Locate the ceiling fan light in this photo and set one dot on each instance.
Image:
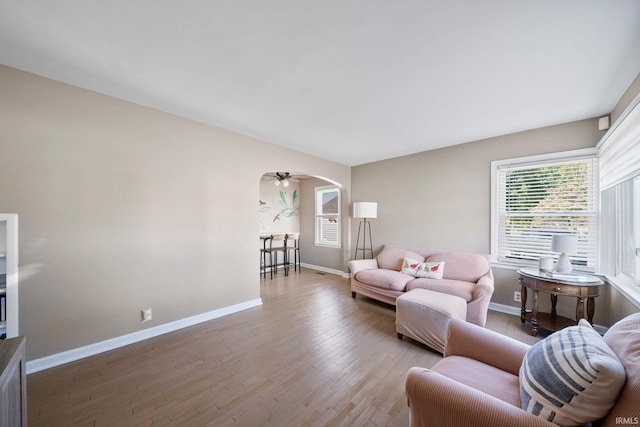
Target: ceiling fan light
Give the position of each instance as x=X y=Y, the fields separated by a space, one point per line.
x=285 y=183
x=277 y=182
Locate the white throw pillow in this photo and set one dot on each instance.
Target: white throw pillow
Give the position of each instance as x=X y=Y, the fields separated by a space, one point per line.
x=429 y=270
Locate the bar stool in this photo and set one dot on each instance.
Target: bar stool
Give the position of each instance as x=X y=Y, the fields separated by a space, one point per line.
x=273 y=251
x=264 y=250
x=295 y=247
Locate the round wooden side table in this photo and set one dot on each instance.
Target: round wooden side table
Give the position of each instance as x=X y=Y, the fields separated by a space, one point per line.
x=580 y=286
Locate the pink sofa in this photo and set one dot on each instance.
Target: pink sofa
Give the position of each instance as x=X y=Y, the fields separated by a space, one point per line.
x=466 y=275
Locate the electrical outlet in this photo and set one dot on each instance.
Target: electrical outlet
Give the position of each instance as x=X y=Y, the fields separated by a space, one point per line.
x=146 y=314
x=516 y=296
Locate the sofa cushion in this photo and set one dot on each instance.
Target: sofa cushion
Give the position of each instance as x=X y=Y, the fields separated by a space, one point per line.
x=481 y=376
x=624 y=339
x=415 y=268
x=458 y=288
x=465 y=266
x=386 y=279
x=572 y=377
x=391 y=258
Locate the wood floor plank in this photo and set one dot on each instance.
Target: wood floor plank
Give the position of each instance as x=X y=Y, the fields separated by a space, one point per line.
x=309 y=356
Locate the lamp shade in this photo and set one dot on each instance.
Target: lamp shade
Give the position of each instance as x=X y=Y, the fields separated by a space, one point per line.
x=365 y=210
x=564 y=243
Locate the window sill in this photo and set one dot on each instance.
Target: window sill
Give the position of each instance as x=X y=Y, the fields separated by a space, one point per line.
x=326 y=245
x=516 y=267
x=629 y=291
x=504 y=266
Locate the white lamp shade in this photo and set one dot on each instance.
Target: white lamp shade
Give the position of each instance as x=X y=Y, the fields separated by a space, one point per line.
x=564 y=243
x=365 y=210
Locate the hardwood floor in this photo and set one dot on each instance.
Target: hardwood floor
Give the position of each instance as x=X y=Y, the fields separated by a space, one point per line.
x=309 y=356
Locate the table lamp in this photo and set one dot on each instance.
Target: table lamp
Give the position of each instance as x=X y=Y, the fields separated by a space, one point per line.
x=564 y=244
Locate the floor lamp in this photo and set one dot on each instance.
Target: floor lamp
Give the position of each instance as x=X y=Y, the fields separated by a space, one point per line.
x=364 y=210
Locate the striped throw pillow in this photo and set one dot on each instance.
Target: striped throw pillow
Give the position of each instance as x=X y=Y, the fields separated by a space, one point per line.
x=571 y=377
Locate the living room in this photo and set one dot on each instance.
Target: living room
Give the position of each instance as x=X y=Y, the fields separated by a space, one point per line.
x=124 y=205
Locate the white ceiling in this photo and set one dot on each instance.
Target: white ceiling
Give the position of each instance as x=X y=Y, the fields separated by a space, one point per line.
x=352 y=81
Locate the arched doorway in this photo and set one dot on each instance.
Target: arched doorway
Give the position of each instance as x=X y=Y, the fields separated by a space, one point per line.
x=292 y=208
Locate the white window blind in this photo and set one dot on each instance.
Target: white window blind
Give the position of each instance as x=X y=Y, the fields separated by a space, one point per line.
x=620 y=218
x=536 y=200
x=620 y=150
x=328 y=216
x=328 y=230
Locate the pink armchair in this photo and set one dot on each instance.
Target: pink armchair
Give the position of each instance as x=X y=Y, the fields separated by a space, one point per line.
x=477 y=381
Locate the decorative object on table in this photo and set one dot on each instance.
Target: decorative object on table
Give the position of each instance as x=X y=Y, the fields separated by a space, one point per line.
x=564 y=244
x=546 y=264
x=366 y=211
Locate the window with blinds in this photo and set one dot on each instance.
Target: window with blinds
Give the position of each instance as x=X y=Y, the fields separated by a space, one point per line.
x=619 y=162
x=534 y=200
x=328 y=216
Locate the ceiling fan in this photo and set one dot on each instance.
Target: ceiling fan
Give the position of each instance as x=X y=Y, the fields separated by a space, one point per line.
x=283 y=177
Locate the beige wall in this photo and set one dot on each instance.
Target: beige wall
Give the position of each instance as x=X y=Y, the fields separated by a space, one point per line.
x=123 y=207
x=625 y=100
x=441 y=198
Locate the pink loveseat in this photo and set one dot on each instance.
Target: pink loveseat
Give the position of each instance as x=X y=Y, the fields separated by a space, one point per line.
x=466 y=275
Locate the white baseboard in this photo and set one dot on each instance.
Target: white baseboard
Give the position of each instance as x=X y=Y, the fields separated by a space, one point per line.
x=503 y=308
x=326 y=270
x=113 y=343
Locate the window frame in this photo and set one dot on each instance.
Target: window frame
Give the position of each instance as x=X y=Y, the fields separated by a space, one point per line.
x=318 y=216
x=619 y=151
x=539 y=161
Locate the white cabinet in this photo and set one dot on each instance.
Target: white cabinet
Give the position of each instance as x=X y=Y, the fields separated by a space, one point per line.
x=8 y=275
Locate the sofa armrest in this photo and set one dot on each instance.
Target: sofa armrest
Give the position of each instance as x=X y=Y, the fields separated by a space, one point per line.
x=356 y=265
x=436 y=400
x=481 y=297
x=475 y=342
x=484 y=287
